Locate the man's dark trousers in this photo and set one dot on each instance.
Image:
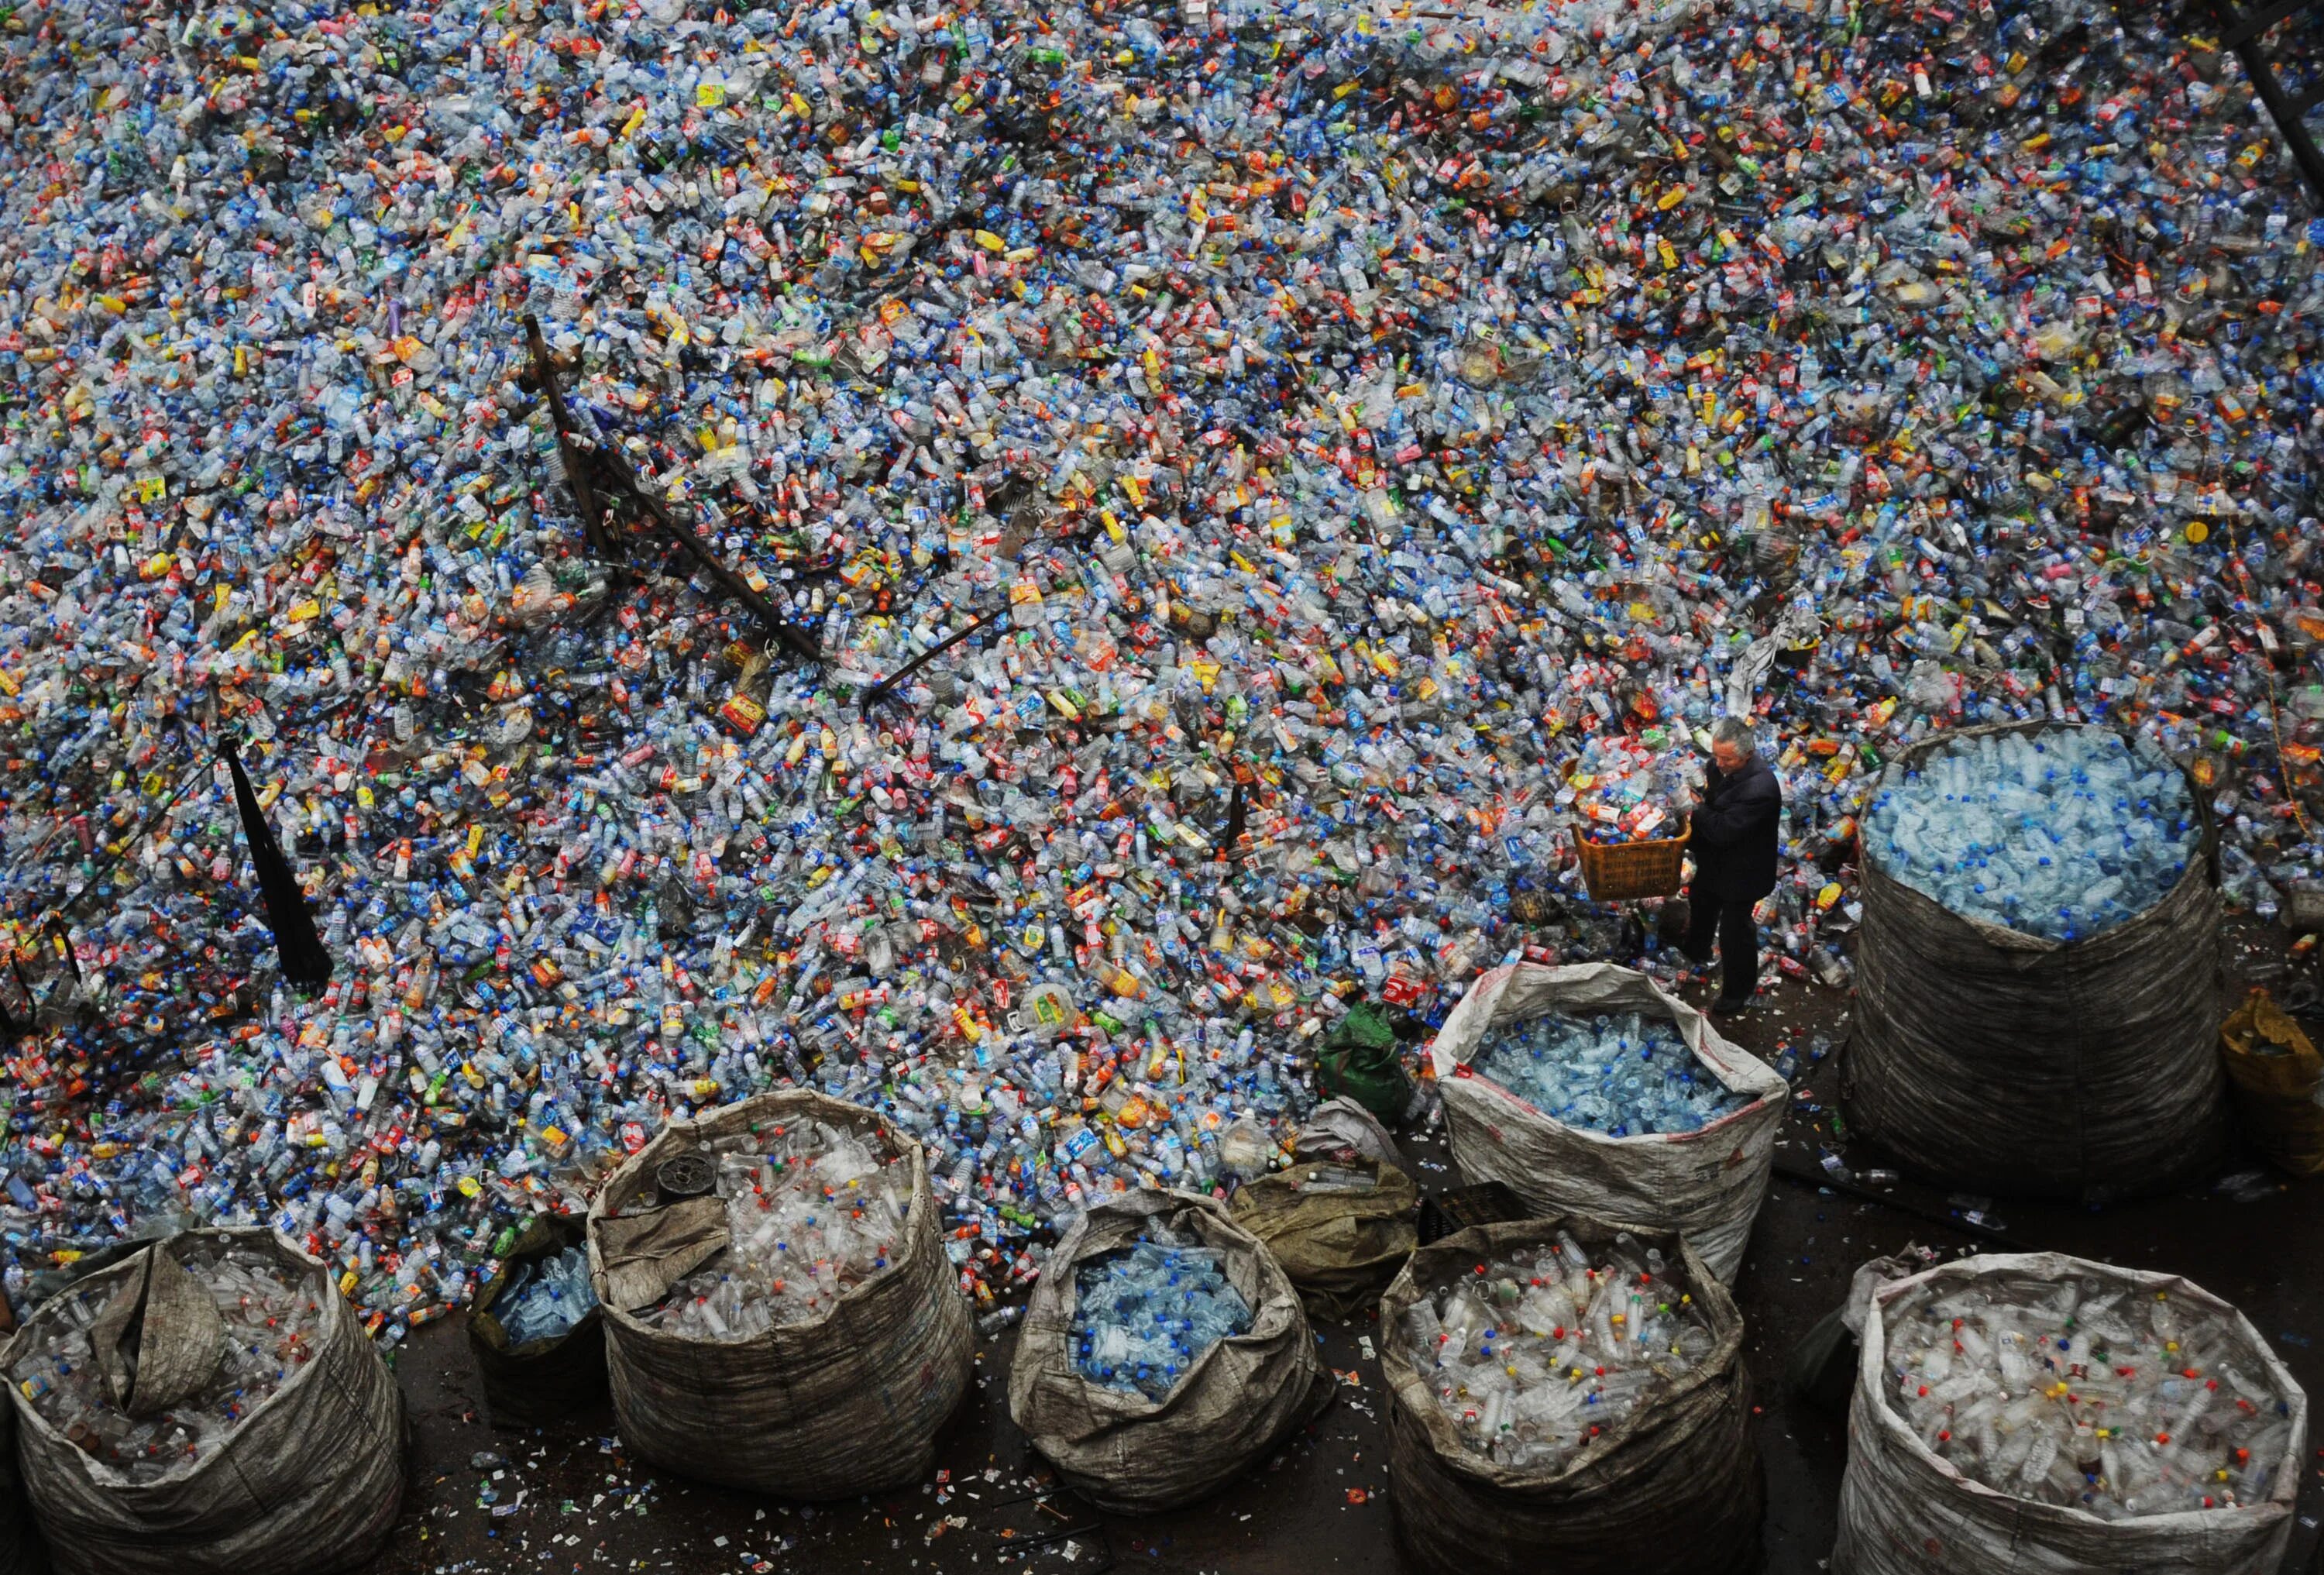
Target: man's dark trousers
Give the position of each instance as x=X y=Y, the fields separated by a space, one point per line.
x=1738 y=943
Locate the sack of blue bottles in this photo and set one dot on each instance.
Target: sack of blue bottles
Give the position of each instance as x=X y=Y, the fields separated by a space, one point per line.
x=539 y=1341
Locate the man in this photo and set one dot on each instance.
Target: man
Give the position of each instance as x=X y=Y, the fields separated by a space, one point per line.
x=1738 y=810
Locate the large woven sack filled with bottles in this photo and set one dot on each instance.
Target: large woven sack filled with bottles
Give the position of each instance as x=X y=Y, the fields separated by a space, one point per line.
x=1567 y=1394
x=1163 y=1354
x=1340 y=1228
x=2278 y=1079
x=779 y=1314
x=209 y=1404
x=1535 y=1066
x=535 y=1331
x=2026 y=1041
x=2047 y=1415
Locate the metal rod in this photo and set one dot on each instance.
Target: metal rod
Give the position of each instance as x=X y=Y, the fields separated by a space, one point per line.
x=577 y=459
x=2280 y=107
x=686 y=536
x=585 y=466
x=1799 y=1175
x=887 y=685
x=2250 y=27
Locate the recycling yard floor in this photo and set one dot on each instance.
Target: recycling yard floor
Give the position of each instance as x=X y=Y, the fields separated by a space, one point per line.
x=569 y=1499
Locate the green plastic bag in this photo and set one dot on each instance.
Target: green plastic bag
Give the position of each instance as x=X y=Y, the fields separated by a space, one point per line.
x=1359 y=1060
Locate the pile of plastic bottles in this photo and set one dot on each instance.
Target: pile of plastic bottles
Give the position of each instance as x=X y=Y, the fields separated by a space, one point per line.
x=1534 y=1355
x=2063 y=835
x=1623 y=1074
x=547 y=1297
x=1341 y=417
x=271 y=1320
x=1143 y=1316
x=2092 y=1396
x=812 y=1211
x=1628 y=790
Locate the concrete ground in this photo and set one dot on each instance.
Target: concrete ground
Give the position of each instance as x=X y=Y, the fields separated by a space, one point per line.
x=568 y=1499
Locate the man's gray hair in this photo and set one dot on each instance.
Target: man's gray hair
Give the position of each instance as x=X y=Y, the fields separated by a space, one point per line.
x=1734 y=730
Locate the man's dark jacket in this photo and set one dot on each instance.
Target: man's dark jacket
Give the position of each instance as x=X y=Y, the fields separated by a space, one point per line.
x=1735 y=834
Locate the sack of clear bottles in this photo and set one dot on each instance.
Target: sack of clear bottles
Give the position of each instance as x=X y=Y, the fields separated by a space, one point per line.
x=535 y=1331
x=2050 y=1415
x=1588 y=1088
x=779 y=1314
x=206 y=1405
x=1164 y=1355
x=2037 y=965
x=1572 y=1385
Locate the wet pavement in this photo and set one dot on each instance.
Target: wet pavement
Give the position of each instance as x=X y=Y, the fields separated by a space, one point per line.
x=485 y=1498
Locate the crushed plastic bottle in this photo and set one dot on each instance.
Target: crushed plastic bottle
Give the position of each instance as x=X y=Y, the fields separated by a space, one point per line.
x=1534 y=1355
x=2095 y=1397
x=1622 y=1073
